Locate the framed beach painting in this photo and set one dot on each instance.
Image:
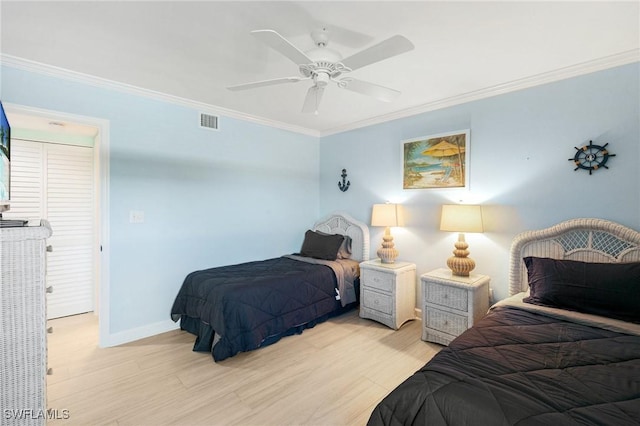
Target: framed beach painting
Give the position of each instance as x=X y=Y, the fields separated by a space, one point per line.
x=436 y=161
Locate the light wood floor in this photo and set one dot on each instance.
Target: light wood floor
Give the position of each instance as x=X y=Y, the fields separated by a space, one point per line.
x=333 y=374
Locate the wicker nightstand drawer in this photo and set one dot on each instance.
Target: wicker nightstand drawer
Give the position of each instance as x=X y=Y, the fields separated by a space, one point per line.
x=451 y=304
x=387 y=292
x=446 y=322
x=451 y=297
x=378 y=302
x=381 y=281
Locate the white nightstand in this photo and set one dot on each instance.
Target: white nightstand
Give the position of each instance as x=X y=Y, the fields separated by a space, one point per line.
x=451 y=304
x=388 y=292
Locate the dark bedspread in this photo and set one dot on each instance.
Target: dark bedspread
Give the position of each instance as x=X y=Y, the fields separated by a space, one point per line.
x=521 y=368
x=249 y=304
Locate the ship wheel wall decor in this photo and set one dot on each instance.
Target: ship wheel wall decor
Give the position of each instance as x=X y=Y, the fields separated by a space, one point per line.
x=591 y=157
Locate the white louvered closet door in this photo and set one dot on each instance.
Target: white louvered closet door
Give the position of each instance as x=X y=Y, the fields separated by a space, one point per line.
x=55 y=182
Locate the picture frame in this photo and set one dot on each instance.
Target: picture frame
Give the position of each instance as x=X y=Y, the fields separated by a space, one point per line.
x=439 y=161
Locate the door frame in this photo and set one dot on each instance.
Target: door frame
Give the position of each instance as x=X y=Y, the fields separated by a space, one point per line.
x=101 y=204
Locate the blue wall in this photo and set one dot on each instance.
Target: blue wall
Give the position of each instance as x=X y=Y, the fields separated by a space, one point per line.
x=519 y=168
x=249 y=191
x=210 y=198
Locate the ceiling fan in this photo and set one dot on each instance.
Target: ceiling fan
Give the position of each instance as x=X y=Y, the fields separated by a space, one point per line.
x=323 y=65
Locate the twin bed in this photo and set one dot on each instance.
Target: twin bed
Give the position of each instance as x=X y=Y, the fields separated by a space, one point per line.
x=243 y=307
x=564 y=349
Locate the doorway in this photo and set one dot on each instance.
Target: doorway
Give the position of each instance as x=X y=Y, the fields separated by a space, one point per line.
x=59 y=170
x=52 y=178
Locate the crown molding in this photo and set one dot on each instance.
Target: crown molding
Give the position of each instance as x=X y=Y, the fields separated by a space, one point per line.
x=599 y=64
x=53 y=71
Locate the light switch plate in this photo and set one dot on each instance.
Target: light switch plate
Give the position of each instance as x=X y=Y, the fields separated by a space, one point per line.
x=136 y=216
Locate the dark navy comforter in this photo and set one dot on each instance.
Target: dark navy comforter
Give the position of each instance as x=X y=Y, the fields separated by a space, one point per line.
x=242 y=307
x=516 y=367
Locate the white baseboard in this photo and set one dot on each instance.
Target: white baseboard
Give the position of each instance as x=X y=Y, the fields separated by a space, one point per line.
x=127 y=336
x=418 y=313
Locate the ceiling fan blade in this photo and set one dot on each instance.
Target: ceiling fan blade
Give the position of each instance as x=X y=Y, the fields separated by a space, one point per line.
x=282 y=45
x=263 y=83
x=382 y=93
x=385 y=49
x=312 y=100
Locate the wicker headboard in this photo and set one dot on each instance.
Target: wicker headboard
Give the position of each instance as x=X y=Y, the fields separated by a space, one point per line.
x=585 y=240
x=342 y=223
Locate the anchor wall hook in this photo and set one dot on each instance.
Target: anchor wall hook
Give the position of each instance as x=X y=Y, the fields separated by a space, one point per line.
x=344 y=185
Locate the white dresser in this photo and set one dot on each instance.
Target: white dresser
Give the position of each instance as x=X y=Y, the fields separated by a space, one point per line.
x=388 y=292
x=451 y=304
x=23 y=334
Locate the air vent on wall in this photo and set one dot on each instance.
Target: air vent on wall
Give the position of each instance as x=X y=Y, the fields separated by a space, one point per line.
x=208 y=121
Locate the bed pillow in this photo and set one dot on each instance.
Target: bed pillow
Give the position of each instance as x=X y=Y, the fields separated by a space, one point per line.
x=606 y=289
x=344 y=252
x=321 y=246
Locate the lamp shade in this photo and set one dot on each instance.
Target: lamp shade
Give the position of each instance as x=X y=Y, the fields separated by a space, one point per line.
x=387 y=215
x=461 y=218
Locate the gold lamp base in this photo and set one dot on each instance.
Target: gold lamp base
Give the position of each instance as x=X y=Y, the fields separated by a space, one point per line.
x=387 y=253
x=460 y=264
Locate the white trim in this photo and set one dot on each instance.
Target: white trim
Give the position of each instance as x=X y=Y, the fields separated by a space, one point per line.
x=138 y=333
x=104 y=301
x=599 y=64
x=102 y=146
x=53 y=71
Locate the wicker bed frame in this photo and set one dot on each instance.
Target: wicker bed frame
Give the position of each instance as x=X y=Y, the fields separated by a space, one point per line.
x=585 y=240
x=291 y=308
x=343 y=224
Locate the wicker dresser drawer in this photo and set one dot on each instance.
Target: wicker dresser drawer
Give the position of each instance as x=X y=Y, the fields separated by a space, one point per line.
x=379 y=280
x=446 y=322
x=451 y=297
x=23 y=325
x=379 y=302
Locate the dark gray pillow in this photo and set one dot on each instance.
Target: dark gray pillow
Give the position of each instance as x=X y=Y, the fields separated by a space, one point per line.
x=606 y=289
x=344 y=252
x=321 y=246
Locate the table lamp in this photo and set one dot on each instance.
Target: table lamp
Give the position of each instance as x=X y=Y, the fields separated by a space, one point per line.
x=387 y=215
x=461 y=218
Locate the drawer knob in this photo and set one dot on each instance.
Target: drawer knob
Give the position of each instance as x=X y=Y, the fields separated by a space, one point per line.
x=50 y=330
x=376 y=302
x=49 y=371
x=50 y=289
x=445 y=296
x=376 y=279
x=446 y=323
x=49 y=248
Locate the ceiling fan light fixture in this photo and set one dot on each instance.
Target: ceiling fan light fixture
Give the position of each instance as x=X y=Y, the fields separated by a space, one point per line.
x=322 y=79
x=324 y=54
x=323 y=65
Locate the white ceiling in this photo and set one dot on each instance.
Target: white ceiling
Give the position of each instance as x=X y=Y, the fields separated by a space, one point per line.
x=194 y=50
